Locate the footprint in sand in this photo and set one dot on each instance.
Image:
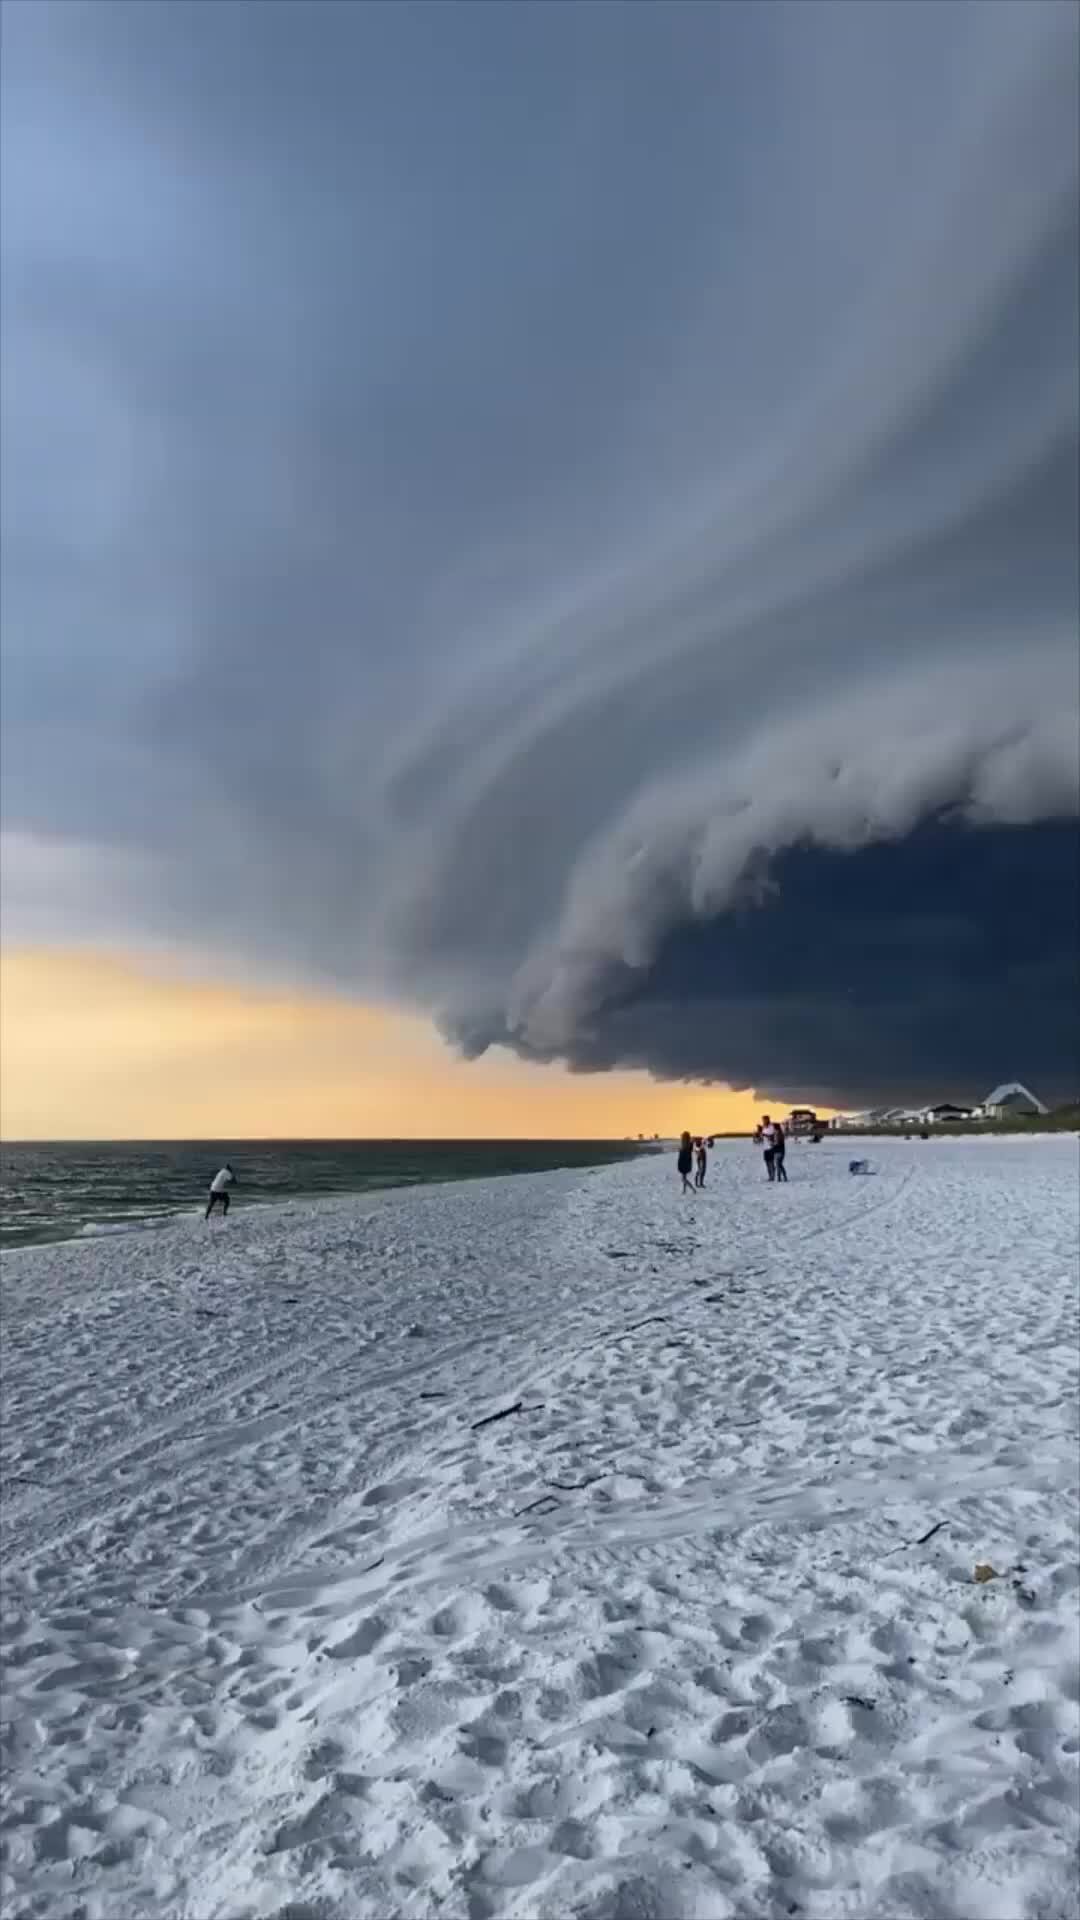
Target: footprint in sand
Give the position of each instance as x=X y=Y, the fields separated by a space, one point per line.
x=363 y=1639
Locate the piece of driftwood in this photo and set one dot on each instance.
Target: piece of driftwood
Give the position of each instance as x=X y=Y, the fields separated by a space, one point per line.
x=504 y=1413
x=929 y=1534
x=549 y=1505
x=922 y=1538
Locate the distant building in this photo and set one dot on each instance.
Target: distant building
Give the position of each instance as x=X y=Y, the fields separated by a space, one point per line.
x=803 y=1120
x=1012 y=1101
x=878 y=1119
x=948 y=1114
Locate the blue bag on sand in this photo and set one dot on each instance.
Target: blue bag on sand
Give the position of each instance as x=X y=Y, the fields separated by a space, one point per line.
x=858 y=1166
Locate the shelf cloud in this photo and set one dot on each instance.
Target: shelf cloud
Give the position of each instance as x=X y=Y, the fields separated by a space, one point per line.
x=561 y=517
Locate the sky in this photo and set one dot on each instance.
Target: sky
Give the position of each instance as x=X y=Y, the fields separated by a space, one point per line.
x=98 y=1046
x=538 y=560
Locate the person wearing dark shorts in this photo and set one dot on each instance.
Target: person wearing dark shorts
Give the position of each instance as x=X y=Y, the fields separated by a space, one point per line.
x=219 y=1190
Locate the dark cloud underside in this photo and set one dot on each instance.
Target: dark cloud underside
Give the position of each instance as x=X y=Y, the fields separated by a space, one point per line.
x=860 y=976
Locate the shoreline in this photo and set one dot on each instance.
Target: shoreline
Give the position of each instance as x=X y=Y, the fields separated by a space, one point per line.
x=153 y=1222
x=153 y=1229
x=310 y=1206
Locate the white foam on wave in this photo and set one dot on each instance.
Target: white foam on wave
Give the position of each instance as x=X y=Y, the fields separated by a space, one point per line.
x=139 y=1223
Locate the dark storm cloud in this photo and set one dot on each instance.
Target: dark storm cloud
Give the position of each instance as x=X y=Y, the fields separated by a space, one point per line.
x=520 y=508
x=851 y=975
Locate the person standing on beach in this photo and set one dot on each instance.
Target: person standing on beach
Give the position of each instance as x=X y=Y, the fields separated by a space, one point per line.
x=779 y=1149
x=768 y=1141
x=702 y=1163
x=219 y=1190
x=686 y=1162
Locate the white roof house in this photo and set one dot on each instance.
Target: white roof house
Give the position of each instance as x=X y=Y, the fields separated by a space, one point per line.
x=1012 y=1097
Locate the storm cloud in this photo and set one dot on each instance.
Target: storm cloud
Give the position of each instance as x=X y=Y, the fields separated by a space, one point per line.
x=565 y=517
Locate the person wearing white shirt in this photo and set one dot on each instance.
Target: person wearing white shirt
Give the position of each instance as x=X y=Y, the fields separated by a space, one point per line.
x=768 y=1141
x=219 y=1190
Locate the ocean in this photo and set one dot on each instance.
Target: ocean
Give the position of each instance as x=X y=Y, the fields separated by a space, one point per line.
x=64 y=1192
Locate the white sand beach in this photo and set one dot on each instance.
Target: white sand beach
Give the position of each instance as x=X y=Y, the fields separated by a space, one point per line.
x=692 y=1633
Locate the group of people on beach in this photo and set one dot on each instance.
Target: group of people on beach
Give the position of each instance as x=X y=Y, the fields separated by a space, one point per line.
x=693 y=1164
x=771 y=1138
x=768 y=1135
x=693 y=1159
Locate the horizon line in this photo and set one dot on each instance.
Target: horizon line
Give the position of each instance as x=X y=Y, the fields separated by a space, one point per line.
x=334 y=1139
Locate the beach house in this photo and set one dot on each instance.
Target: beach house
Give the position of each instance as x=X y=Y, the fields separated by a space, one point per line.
x=1012 y=1101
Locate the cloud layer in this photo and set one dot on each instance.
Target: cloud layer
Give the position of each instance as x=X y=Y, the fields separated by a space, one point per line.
x=517 y=509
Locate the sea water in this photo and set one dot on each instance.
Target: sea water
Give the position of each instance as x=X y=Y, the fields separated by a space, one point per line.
x=60 y=1192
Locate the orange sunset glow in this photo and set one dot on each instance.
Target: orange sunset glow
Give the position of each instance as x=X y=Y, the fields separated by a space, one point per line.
x=105 y=1047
